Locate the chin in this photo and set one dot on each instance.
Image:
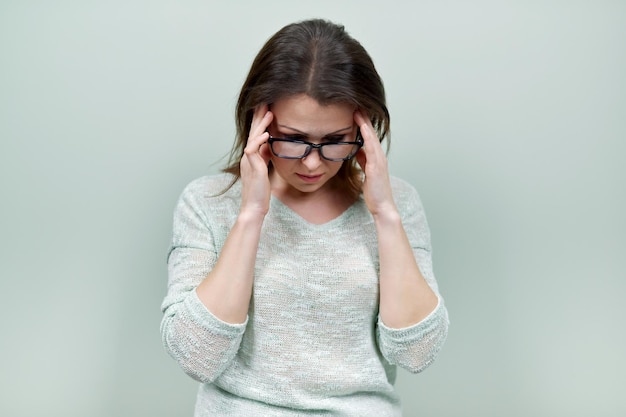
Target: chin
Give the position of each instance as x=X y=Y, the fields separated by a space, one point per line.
x=308 y=187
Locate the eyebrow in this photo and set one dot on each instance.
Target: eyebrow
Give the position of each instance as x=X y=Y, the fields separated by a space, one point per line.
x=306 y=134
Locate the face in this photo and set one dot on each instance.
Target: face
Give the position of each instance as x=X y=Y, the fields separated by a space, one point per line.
x=301 y=117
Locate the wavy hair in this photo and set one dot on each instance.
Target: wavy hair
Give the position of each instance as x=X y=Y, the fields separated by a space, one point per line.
x=320 y=59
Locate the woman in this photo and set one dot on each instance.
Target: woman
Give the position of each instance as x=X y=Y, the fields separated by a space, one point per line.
x=301 y=277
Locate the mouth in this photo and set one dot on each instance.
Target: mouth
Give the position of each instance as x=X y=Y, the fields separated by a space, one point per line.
x=309 y=178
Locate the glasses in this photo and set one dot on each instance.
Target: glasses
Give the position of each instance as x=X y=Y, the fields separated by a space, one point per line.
x=331 y=151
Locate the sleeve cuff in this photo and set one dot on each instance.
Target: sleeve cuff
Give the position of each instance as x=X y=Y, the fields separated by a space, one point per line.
x=201 y=314
x=414 y=331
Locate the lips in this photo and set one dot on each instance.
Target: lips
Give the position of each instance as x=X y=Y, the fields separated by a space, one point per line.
x=309 y=178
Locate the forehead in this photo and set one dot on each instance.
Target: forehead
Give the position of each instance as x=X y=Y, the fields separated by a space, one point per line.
x=305 y=114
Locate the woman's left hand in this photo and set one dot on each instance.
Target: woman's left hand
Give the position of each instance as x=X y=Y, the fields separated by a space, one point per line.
x=373 y=161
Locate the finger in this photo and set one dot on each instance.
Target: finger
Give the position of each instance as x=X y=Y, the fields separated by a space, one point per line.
x=265 y=153
x=365 y=125
x=254 y=149
x=371 y=144
x=257 y=115
x=261 y=119
x=258 y=133
x=359 y=118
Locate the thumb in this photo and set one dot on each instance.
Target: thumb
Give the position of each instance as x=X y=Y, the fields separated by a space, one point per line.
x=265 y=152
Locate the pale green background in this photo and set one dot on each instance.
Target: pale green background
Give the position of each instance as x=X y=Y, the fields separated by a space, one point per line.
x=509 y=117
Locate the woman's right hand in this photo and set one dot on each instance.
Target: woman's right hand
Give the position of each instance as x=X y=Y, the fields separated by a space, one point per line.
x=227 y=289
x=255 y=195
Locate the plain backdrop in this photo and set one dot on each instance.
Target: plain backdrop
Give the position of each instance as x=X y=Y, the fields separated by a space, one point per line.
x=508 y=117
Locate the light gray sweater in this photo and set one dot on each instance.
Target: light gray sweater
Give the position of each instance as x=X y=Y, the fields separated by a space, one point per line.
x=313 y=344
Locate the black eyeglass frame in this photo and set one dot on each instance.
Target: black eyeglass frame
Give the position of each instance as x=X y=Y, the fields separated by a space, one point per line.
x=358 y=141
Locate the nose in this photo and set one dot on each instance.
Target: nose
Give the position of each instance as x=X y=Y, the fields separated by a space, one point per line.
x=313 y=160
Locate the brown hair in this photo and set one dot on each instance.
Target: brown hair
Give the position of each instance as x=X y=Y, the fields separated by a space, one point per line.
x=320 y=59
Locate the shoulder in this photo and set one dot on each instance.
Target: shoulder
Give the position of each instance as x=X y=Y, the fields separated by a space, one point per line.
x=212 y=186
x=210 y=193
x=400 y=185
x=412 y=212
x=205 y=212
x=403 y=191
x=406 y=197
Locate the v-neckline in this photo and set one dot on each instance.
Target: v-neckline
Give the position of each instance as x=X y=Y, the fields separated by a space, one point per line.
x=328 y=224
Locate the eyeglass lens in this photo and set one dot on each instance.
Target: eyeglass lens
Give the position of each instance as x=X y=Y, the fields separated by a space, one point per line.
x=290 y=149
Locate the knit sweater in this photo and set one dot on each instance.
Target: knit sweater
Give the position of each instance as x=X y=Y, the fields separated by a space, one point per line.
x=313 y=343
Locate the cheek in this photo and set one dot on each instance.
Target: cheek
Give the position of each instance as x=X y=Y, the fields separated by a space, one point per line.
x=282 y=164
x=334 y=167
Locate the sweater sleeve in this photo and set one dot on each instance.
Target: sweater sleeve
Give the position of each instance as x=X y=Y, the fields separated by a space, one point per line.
x=202 y=344
x=415 y=347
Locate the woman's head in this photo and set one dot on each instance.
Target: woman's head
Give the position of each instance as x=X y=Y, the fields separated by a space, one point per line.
x=319 y=59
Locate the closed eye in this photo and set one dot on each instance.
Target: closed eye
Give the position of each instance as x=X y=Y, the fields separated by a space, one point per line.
x=304 y=138
x=293 y=137
x=339 y=138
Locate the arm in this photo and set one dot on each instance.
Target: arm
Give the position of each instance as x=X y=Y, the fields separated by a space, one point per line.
x=201 y=343
x=405 y=296
x=415 y=345
x=227 y=289
x=408 y=302
x=209 y=295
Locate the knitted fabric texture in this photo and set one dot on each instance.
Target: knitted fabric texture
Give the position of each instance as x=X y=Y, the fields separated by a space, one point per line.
x=313 y=343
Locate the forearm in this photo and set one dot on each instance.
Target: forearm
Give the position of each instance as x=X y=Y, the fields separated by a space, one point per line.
x=405 y=296
x=202 y=344
x=227 y=289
